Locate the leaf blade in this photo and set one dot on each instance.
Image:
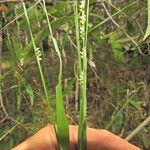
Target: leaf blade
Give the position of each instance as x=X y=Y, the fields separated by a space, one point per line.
x=148 y=24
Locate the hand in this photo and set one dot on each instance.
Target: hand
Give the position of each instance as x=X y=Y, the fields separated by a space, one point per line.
x=45 y=139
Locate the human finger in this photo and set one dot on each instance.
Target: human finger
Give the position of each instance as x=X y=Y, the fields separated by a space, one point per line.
x=44 y=139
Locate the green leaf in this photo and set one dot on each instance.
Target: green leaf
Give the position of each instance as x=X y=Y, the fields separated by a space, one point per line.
x=30 y=93
x=116 y=126
x=29 y=90
x=69 y=88
x=12 y=53
x=16 y=44
x=61 y=119
x=116 y=47
x=14 y=48
x=136 y=104
x=148 y=24
x=58 y=9
x=145 y=139
x=62 y=122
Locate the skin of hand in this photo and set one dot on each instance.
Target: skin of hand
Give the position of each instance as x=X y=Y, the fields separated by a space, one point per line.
x=45 y=139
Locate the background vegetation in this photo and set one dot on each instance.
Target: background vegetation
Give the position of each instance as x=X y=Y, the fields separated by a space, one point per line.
x=118 y=84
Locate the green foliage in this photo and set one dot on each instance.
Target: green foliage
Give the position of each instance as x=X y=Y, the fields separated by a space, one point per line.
x=38 y=56
x=45 y=44
x=117 y=124
x=69 y=88
x=39 y=37
x=15 y=50
x=145 y=138
x=116 y=47
x=136 y=104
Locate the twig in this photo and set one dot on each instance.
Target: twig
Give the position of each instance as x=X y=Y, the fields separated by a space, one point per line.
x=1 y=138
x=115 y=23
x=123 y=107
x=4 y=28
x=113 y=15
x=136 y=130
x=3 y=120
x=1 y=99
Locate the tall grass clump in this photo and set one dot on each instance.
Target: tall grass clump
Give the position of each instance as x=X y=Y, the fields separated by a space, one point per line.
x=81 y=15
x=62 y=125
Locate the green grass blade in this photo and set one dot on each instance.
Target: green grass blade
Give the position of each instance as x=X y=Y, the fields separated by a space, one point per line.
x=38 y=56
x=9 y=131
x=30 y=93
x=62 y=122
x=148 y=24
x=61 y=119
